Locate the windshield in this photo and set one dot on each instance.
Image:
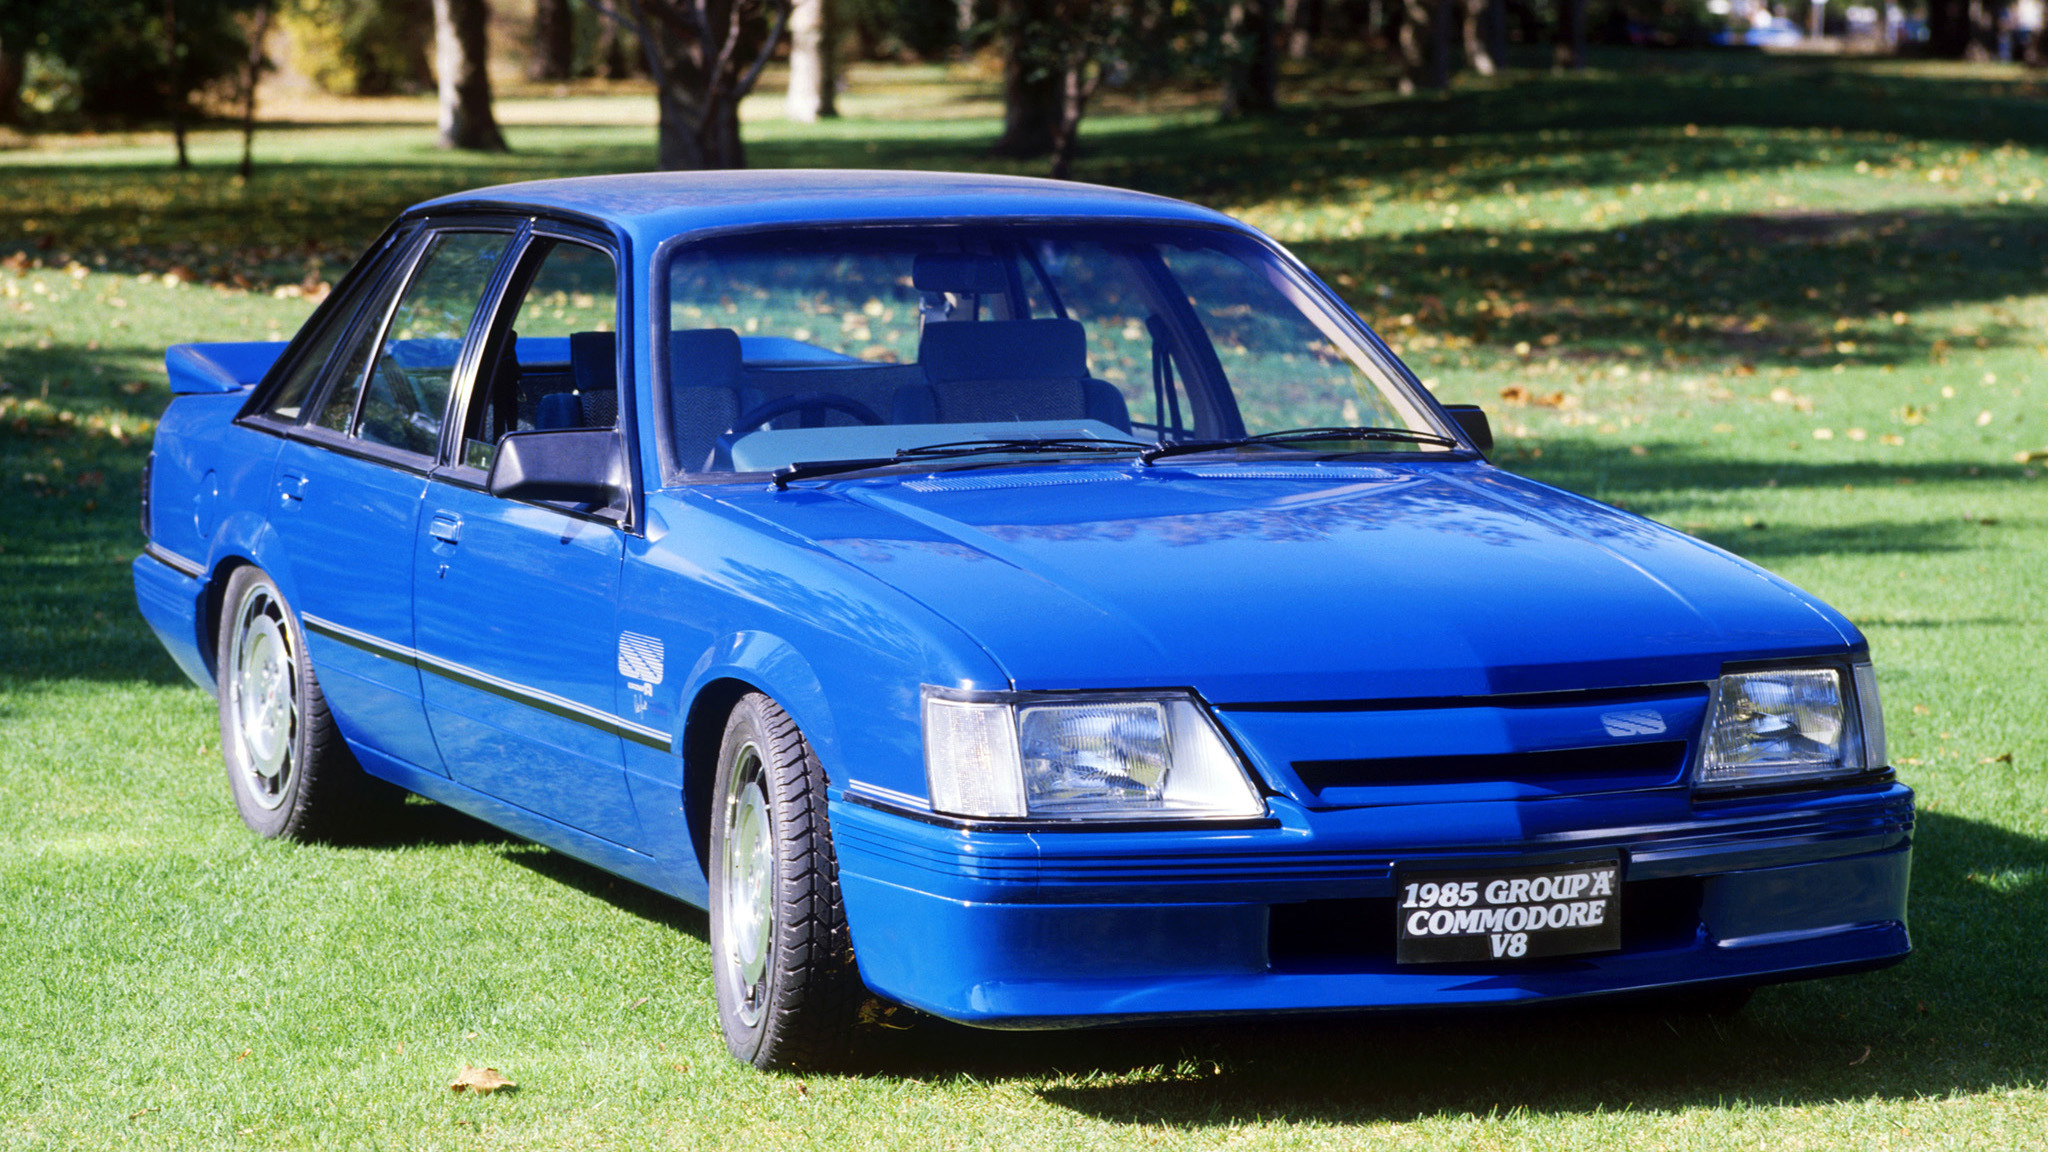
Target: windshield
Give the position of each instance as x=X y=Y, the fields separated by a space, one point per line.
x=860 y=344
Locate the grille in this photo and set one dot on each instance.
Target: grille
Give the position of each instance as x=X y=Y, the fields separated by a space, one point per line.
x=1646 y=765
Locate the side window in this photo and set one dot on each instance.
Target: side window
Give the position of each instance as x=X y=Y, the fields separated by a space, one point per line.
x=290 y=398
x=557 y=365
x=405 y=391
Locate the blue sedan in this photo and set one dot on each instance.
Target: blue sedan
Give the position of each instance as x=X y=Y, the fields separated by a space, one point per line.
x=1033 y=604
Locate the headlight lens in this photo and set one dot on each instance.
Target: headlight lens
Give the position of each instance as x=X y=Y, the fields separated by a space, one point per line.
x=1791 y=724
x=1095 y=757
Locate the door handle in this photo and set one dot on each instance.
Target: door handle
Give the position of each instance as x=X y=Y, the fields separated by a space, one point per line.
x=445 y=527
x=291 y=488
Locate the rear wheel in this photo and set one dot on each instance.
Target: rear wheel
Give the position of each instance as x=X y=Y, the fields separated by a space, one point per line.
x=290 y=773
x=782 y=962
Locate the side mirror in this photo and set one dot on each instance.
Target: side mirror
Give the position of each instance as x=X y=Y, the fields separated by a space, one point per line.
x=568 y=466
x=1471 y=420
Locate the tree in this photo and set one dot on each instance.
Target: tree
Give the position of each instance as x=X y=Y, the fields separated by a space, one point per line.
x=257 y=34
x=461 y=52
x=705 y=57
x=361 y=47
x=1057 y=54
x=813 y=60
x=554 y=41
x=1486 y=28
x=1425 y=42
x=1251 y=73
x=12 y=67
x=1032 y=81
x=1571 y=34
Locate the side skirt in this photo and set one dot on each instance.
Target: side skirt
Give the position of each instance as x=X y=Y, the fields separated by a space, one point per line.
x=678 y=879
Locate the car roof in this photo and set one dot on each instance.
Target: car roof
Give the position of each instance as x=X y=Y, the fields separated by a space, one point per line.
x=652 y=206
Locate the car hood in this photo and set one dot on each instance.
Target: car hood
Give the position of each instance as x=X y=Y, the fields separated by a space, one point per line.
x=1274 y=583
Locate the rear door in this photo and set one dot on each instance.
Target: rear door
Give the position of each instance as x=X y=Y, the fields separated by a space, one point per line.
x=350 y=478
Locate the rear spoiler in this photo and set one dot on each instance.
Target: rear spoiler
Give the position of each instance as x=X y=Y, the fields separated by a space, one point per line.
x=218 y=368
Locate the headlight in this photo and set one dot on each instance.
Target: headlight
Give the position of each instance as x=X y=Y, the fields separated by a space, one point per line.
x=1109 y=756
x=1791 y=725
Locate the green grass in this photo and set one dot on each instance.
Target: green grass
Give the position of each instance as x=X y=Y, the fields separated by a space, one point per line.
x=1793 y=307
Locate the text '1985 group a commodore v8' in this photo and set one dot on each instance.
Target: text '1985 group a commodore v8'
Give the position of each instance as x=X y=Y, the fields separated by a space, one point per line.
x=1034 y=604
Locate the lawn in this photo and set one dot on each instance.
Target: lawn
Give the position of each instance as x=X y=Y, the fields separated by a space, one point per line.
x=1795 y=307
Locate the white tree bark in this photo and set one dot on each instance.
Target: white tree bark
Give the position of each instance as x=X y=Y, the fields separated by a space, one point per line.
x=813 y=61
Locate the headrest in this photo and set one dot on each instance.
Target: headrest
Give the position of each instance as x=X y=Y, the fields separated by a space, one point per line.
x=1003 y=350
x=704 y=358
x=957 y=272
x=594 y=360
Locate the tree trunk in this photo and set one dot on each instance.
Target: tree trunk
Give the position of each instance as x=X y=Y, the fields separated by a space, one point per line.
x=1948 y=28
x=608 y=55
x=1251 y=85
x=554 y=41
x=1481 y=18
x=11 y=67
x=257 y=33
x=460 y=56
x=1816 y=18
x=174 y=96
x=1425 y=43
x=1571 y=34
x=700 y=76
x=1031 y=87
x=963 y=25
x=1075 y=88
x=693 y=138
x=1983 y=31
x=813 y=61
x=1303 y=20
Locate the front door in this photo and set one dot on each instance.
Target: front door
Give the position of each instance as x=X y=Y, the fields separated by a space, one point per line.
x=514 y=602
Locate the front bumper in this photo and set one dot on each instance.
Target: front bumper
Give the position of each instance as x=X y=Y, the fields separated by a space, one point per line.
x=1037 y=929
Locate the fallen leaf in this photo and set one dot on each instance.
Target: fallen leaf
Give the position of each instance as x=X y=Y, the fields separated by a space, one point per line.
x=2001 y=758
x=480 y=1081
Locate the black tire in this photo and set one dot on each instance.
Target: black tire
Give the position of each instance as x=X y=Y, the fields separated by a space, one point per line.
x=782 y=962
x=291 y=776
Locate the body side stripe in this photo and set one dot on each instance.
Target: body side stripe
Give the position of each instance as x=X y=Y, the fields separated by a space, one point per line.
x=462 y=674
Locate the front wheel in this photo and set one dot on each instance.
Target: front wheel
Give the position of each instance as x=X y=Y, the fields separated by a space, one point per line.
x=782 y=962
x=290 y=773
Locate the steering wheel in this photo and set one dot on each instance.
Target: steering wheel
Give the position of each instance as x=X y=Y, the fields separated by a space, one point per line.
x=720 y=459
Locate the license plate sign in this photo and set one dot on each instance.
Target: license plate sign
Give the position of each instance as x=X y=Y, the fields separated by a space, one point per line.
x=1486 y=915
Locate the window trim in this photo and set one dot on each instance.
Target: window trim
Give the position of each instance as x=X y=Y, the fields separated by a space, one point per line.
x=673 y=475
x=450 y=467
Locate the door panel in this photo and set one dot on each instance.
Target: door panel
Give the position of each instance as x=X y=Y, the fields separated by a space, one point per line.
x=346 y=524
x=519 y=655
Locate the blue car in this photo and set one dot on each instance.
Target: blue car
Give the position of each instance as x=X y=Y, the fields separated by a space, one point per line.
x=1033 y=604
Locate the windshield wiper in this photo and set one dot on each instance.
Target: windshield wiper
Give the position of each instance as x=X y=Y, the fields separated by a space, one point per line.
x=1298 y=436
x=1026 y=446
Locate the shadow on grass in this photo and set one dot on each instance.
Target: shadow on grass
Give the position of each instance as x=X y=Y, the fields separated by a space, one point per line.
x=625 y=895
x=1965 y=1013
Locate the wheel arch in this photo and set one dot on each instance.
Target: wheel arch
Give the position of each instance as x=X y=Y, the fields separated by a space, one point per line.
x=703 y=733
